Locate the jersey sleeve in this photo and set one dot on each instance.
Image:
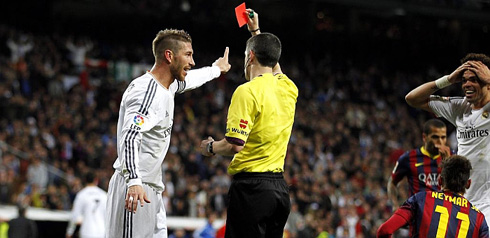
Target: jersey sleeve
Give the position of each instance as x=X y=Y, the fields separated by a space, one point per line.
x=195 y=78
x=76 y=213
x=401 y=169
x=483 y=233
x=447 y=107
x=241 y=115
x=400 y=218
x=140 y=116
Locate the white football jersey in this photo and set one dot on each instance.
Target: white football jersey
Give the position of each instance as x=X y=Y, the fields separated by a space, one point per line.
x=90 y=206
x=145 y=124
x=473 y=135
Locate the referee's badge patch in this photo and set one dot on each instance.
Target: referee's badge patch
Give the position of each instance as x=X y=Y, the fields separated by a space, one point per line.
x=138 y=120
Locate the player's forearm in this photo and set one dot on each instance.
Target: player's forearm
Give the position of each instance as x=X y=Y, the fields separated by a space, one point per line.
x=130 y=156
x=223 y=147
x=197 y=77
x=419 y=97
x=71 y=228
x=390 y=226
x=392 y=193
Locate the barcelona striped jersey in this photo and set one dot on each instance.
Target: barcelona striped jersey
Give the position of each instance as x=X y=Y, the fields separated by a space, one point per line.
x=439 y=214
x=421 y=169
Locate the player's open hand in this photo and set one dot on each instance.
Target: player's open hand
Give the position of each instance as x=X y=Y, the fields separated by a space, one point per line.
x=135 y=193
x=222 y=62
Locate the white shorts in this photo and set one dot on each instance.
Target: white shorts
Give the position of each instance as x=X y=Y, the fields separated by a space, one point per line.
x=148 y=221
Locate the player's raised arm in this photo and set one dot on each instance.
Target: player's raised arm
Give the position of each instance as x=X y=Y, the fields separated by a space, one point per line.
x=197 y=77
x=419 y=97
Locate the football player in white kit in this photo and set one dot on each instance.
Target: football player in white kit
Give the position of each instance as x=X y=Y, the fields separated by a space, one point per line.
x=470 y=116
x=90 y=205
x=134 y=205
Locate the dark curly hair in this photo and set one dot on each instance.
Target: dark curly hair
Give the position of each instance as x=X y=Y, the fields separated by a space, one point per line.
x=455 y=173
x=477 y=57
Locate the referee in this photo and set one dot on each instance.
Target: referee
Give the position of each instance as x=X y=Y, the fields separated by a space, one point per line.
x=259 y=123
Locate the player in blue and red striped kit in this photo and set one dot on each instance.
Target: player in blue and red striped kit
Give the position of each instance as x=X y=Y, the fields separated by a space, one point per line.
x=444 y=213
x=421 y=165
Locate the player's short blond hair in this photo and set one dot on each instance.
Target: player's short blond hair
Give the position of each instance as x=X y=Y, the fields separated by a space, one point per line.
x=169 y=39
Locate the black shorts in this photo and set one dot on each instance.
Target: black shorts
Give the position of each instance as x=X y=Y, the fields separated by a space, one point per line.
x=259 y=206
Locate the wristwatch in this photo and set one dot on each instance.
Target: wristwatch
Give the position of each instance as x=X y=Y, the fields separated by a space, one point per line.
x=210 y=148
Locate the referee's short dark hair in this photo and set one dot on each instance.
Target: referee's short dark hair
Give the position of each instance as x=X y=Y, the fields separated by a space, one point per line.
x=266 y=47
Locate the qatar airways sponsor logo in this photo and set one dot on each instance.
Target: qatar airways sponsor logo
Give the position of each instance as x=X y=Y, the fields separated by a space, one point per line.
x=470 y=133
x=430 y=179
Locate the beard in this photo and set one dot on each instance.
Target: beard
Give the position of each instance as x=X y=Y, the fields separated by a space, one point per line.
x=432 y=149
x=177 y=72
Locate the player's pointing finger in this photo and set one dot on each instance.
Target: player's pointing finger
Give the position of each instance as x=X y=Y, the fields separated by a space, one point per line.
x=225 y=56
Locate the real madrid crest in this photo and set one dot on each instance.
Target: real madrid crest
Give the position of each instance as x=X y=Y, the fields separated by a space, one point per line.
x=485 y=114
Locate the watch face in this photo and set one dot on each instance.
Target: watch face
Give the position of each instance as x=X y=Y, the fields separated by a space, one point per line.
x=210 y=147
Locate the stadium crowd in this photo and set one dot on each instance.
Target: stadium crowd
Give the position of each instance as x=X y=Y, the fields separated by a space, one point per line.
x=59 y=99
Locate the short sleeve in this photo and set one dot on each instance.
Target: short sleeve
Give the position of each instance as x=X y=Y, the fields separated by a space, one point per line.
x=447 y=107
x=241 y=114
x=401 y=168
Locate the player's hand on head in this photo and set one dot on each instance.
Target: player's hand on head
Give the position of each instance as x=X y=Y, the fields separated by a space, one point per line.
x=253 y=19
x=135 y=193
x=457 y=75
x=480 y=69
x=222 y=62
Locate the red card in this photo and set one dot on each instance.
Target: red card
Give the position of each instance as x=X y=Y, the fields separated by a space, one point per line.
x=241 y=15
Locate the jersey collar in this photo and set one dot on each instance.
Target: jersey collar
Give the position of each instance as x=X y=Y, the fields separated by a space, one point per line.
x=425 y=152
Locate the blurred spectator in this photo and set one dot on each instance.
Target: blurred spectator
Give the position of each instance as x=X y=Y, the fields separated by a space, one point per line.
x=294 y=219
x=78 y=52
x=37 y=173
x=5 y=187
x=19 y=45
x=207 y=231
x=178 y=233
